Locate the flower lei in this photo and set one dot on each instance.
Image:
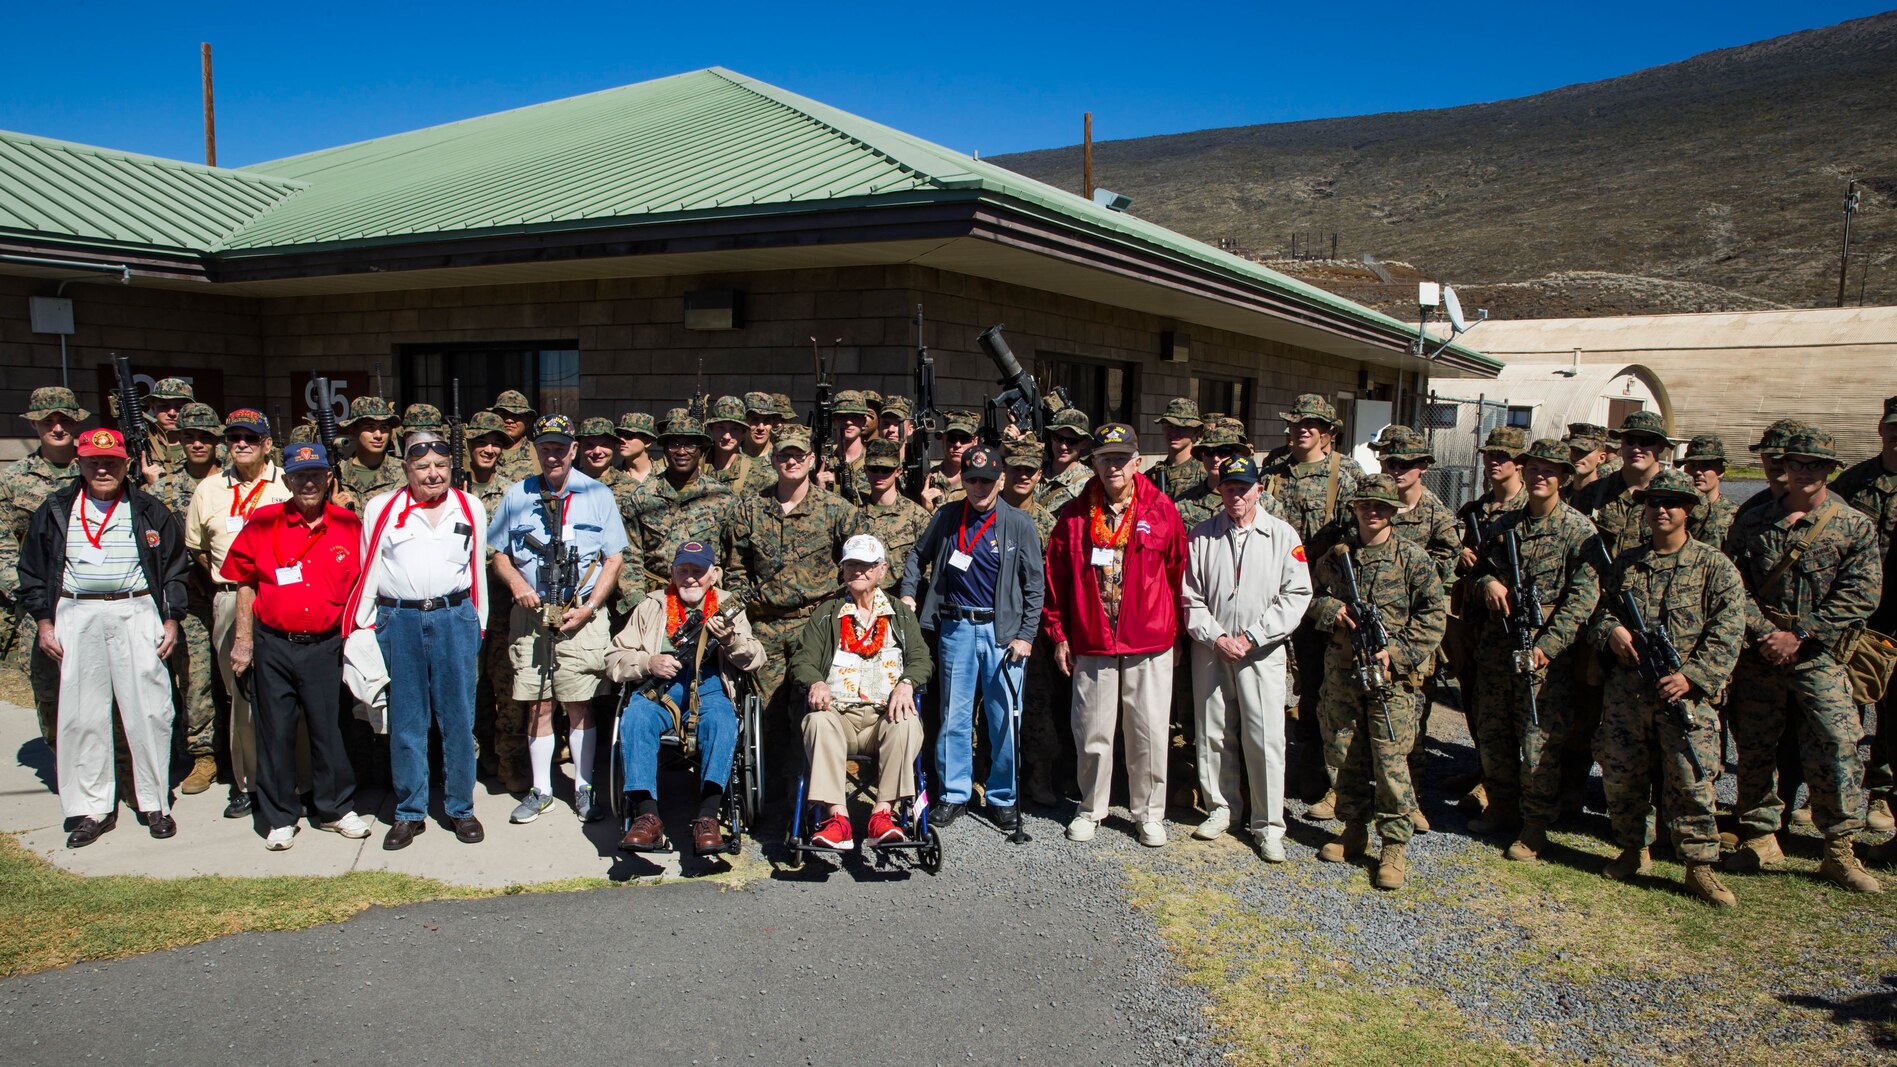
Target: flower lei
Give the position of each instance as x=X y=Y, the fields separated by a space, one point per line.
x=1096 y=507
x=854 y=641
x=675 y=610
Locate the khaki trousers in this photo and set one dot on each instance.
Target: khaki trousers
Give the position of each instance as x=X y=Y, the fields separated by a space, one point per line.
x=111 y=656
x=1241 y=721
x=832 y=736
x=243 y=731
x=1134 y=693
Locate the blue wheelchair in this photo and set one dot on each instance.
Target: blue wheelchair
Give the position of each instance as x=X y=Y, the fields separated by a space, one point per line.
x=921 y=841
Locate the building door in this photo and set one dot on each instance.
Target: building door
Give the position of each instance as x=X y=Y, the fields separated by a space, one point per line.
x=1618 y=409
x=547 y=372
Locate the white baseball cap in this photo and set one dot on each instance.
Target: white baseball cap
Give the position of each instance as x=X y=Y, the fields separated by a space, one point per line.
x=864 y=549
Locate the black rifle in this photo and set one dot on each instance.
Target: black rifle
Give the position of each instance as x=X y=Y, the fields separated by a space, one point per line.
x=131 y=420
x=1655 y=657
x=701 y=400
x=820 y=415
x=1367 y=638
x=684 y=642
x=1020 y=395
x=915 y=459
x=1472 y=531
x=328 y=432
x=458 y=475
x=1524 y=616
x=1160 y=480
x=559 y=565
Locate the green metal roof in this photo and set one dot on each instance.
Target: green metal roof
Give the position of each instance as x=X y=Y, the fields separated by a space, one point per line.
x=98 y=196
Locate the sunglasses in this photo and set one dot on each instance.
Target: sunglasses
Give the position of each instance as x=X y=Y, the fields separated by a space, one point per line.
x=422 y=448
x=243 y=439
x=957 y=439
x=1405 y=464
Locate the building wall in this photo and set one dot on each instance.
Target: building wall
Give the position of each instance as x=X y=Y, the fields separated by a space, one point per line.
x=635 y=352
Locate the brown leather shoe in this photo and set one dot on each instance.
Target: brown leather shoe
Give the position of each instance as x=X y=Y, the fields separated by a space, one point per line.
x=707 y=836
x=468 y=831
x=646 y=835
x=89 y=830
x=161 y=826
x=402 y=833
x=203 y=773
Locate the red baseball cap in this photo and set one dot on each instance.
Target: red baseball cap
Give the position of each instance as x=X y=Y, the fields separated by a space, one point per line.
x=102 y=442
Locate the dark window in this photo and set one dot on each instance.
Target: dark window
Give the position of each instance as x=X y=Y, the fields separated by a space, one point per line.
x=548 y=372
x=1105 y=391
x=1522 y=417
x=1228 y=396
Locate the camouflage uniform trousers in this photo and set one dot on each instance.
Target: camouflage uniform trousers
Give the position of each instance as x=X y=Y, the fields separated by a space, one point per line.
x=1043 y=690
x=1635 y=729
x=1371 y=763
x=193 y=668
x=1521 y=760
x=1584 y=722
x=1766 y=702
x=39 y=669
x=500 y=722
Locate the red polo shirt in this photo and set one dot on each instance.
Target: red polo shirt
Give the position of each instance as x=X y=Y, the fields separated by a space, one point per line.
x=328 y=553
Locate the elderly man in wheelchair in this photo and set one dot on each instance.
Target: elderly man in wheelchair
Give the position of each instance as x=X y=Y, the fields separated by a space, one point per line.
x=861 y=657
x=683 y=651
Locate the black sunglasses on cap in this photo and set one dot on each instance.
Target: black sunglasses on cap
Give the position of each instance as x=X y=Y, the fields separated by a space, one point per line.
x=422 y=448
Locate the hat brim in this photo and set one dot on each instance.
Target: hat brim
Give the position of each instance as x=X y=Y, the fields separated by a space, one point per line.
x=1292 y=417
x=1833 y=458
x=1115 y=450
x=554 y=439
x=1190 y=424
x=1525 y=458
x=1646 y=496
x=76 y=414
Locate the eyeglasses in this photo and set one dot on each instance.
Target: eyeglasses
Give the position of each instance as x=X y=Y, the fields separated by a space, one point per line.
x=422 y=448
x=1808 y=466
x=243 y=439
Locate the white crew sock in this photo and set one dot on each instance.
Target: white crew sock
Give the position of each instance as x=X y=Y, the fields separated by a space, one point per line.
x=580 y=741
x=540 y=755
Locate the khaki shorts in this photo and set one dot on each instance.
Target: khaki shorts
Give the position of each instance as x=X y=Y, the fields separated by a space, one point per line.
x=578 y=671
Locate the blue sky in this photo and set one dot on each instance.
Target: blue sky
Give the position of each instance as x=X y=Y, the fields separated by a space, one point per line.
x=975 y=76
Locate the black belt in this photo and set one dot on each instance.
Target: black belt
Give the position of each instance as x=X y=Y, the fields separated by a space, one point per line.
x=105 y=596
x=956 y=611
x=224 y=587
x=427 y=603
x=299 y=639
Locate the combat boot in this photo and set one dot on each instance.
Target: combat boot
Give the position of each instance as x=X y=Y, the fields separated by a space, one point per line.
x=1884 y=852
x=1879 y=818
x=203 y=773
x=1754 y=854
x=1799 y=816
x=1392 y=864
x=1630 y=862
x=1352 y=843
x=1326 y=807
x=1419 y=822
x=1704 y=884
x=1841 y=866
x=1529 y=844
x=1476 y=800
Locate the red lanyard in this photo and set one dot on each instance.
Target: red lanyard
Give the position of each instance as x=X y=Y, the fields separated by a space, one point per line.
x=414 y=504
x=241 y=505
x=961 y=538
x=317 y=529
x=86 y=527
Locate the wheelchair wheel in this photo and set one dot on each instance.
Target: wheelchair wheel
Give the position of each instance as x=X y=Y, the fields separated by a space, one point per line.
x=930 y=854
x=750 y=763
x=615 y=767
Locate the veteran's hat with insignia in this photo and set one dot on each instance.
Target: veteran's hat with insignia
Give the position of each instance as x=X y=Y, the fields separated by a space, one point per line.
x=1115 y=439
x=102 y=442
x=982 y=461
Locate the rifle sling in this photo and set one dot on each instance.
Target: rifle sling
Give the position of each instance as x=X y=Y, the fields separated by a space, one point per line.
x=1773 y=582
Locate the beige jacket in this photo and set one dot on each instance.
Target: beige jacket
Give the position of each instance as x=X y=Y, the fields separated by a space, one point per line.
x=644 y=635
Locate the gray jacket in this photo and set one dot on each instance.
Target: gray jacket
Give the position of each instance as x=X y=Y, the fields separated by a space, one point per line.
x=1020 y=586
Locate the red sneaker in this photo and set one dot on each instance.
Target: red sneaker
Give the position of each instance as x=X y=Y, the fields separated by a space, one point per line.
x=883 y=828
x=834 y=833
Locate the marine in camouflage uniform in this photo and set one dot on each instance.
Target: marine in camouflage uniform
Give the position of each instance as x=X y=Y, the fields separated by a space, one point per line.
x=167 y=452
x=1428 y=524
x=193 y=665
x=1045 y=691
x=1060 y=487
x=945 y=481
x=594 y=434
x=362 y=481
x=783 y=564
x=518 y=459
x=500 y=722
x=1871 y=487
x=1521 y=757
x=1812 y=606
x=1705 y=464
x=1183 y=426
x=852 y=484
x=23 y=487
x=742 y=472
x=679 y=503
x=895 y=519
x=1368 y=757
x=1695 y=593
x=1585 y=440
x=1473 y=520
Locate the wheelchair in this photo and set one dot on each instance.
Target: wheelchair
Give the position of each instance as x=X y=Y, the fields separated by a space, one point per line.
x=920 y=839
x=744 y=793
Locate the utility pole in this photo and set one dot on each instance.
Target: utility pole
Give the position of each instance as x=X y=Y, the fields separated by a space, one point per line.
x=1844 y=256
x=210 y=113
x=1086 y=157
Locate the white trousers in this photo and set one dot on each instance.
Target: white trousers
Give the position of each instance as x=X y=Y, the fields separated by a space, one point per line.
x=1241 y=717
x=1133 y=692
x=111 y=656
x=243 y=731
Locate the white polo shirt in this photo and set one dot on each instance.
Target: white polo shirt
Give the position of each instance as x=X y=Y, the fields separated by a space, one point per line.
x=423 y=560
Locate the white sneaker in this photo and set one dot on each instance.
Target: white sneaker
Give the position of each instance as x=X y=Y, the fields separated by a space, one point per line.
x=1082 y=828
x=350 y=825
x=1152 y=834
x=1271 y=850
x=280 y=839
x=1214 y=825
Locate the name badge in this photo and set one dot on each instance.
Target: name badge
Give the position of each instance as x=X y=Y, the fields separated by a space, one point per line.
x=566 y=533
x=959 y=559
x=1102 y=557
x=290 y=575
x=94 y=556
x=233 y=523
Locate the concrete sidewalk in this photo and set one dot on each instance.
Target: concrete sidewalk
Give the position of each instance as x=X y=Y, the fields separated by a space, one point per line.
x=554 y=847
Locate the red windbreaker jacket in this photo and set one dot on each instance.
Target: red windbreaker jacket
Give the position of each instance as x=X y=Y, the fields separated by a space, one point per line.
x=1154 y=566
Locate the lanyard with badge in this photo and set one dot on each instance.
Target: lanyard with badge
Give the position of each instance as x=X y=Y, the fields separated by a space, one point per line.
x=94 y=553
x=241 y=505
x=291 y=573
x=963 y=554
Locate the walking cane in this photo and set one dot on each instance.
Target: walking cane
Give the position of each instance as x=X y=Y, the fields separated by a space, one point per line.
x=1020 y=834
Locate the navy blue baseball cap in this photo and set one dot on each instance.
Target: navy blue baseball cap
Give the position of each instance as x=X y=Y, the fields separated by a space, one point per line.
x=1238 y=469
x=305 y=457
x=982 y=461
x=695 y=552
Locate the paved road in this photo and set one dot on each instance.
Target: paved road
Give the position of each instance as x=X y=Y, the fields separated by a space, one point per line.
x=1046 y=965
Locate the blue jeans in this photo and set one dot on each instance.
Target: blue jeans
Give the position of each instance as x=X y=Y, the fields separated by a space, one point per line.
x=434 y=663
x=970 y=661
x=645 y=721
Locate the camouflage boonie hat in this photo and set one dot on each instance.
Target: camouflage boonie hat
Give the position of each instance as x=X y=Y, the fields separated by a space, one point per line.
x=1409 y=446
x=598 y=427
x=1181 y=411
x=728 y=409
x=795 y=435
x=849 y=402
x=1811 y=443
x=1510 y=439
x=1070 y=420
x=369 y=407
x=679 y=423
x=1772 y=441
x=1669 y=484
x=1389 y=434
x=899 y=406
x=1234 y=426
x=512 y=402
x=1890 y=410
x=1311 y=406
x=1022 y=452
x=638 y=422
x=423 y=417
x=200 y=416
x=962 y=422
x=875 y=401
x=1377 y=489
x=171 y=389
x=757 y=403
x=785 y=409
x=303 y=433
x=1550 y=450
x=483 y=423
x=1643 y=424
x=1705 y=448
x=882 y=454
x=1586 y=435
x=51 y=399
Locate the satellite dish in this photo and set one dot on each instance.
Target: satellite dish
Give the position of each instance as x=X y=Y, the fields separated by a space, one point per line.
x=1454 y=305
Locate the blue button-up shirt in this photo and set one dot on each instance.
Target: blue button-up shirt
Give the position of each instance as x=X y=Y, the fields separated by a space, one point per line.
x=592 y=526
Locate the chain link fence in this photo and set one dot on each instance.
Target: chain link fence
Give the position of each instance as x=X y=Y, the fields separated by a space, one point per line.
x=1456 y=427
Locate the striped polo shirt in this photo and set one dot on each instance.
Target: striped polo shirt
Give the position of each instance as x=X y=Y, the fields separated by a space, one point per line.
x=113 y=566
